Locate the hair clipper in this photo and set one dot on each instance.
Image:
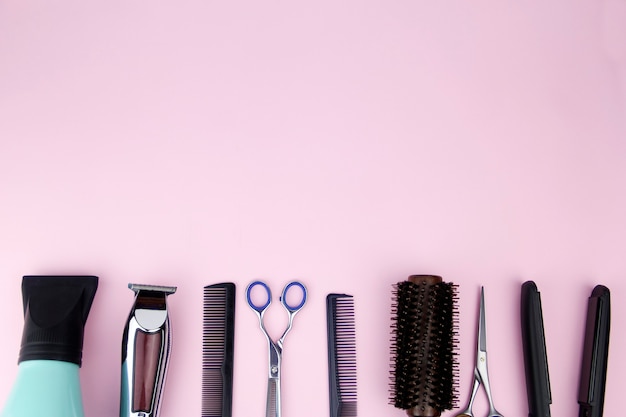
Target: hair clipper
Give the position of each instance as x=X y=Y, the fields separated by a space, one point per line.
x=145 y=351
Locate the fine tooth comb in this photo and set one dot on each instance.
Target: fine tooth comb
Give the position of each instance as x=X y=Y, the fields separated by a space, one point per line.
x=218 y=339
x=341 y=355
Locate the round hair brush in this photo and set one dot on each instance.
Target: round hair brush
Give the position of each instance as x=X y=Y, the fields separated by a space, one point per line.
x=423 y=346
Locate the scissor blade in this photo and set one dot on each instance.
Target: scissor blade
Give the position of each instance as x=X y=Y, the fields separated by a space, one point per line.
x=482 y=332
x=273 y=398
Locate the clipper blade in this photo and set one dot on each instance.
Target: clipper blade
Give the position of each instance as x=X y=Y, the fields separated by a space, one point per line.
x=159 y=288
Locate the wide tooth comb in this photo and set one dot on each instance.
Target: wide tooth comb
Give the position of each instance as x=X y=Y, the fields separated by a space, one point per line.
x=341 y=355
x=218 y=339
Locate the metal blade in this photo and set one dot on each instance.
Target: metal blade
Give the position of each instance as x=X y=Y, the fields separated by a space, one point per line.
x=273 y=398
x=482 y=332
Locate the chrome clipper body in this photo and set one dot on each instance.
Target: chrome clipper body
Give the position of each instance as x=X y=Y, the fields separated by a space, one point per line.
x=145 y=351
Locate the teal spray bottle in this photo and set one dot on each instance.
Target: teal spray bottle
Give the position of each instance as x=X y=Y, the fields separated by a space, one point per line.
x=55 y=313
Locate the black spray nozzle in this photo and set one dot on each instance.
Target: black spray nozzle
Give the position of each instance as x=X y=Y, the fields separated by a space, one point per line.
x=55 y=313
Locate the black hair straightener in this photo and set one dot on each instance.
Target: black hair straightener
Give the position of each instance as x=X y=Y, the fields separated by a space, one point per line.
x=534 y=348
x=594 y=358
x=595 y=353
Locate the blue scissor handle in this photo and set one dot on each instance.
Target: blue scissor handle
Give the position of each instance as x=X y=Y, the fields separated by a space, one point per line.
x=283 y=297
x=251 y=303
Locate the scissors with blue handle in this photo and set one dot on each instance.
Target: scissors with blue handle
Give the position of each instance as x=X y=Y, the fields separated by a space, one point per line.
x=275 y=347
x=480 y=370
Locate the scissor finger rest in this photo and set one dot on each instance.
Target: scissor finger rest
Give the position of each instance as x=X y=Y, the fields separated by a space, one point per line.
x=258 y=308
x=283 y=297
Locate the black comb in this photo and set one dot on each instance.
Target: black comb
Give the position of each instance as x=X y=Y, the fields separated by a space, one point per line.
x=218 y=339
x=423 y=346
x=341 y=355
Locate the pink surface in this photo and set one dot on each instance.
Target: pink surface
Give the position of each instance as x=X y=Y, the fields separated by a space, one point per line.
x=346 y=144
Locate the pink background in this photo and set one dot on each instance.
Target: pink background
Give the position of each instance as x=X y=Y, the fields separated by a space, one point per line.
x=346 y=144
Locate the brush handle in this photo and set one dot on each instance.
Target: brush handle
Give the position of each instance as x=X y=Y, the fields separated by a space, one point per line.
x=425 y=279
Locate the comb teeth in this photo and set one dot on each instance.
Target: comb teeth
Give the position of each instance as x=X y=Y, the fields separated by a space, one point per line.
x=423 y=346
x=218 y=337
x=341 y=355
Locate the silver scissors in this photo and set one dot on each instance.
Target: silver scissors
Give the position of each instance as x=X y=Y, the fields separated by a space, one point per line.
x=275 y=347
x=480 y=369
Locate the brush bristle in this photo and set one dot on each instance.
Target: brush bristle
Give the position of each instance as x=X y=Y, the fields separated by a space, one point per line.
x=423 y=346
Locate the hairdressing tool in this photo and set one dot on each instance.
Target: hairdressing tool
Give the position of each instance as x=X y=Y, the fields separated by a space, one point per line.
x=595 y=353
x=145 y=351
x=341 y=355
x=218 y=343
x=534 y=348
x=55 y=314
x=424 y=339
x=275 y=348
x=480 y=370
